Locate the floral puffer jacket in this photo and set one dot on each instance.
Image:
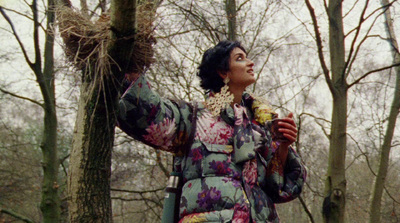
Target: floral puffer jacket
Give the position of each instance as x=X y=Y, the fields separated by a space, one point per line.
x=217 y=187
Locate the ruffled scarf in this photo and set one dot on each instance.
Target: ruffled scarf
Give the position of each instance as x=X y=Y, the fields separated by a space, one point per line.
x=241 y=117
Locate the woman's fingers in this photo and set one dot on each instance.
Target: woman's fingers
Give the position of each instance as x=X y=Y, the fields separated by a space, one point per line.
x=288 y=127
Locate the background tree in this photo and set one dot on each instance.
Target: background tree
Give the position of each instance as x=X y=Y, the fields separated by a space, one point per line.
x=43 y=68
x=337 y=78
x=379 y=184
x=20 y=168
x=230 y=8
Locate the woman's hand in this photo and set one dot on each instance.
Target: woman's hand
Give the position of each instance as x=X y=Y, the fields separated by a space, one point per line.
x=131 y=77
x=288 y=127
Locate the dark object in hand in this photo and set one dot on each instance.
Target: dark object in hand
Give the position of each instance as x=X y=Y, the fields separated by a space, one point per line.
x=274 y=129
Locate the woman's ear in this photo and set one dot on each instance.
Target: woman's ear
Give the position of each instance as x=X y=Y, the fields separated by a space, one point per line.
x=223 y=75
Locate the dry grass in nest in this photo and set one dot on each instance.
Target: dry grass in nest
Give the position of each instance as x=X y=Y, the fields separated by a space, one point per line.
x=84 y=40
x=144 y=41
x=86 y=43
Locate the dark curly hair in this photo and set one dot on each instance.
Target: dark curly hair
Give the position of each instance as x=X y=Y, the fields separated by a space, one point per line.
x=215 y=60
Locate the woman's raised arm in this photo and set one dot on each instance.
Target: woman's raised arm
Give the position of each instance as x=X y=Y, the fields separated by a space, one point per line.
x=155 y=121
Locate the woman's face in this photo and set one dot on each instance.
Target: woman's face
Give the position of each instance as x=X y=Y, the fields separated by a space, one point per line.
x=240 y=72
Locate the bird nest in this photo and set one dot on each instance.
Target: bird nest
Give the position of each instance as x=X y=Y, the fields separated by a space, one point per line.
x=86 y=42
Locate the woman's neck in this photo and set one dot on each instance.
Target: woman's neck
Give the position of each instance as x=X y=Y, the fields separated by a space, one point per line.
x=237 y=96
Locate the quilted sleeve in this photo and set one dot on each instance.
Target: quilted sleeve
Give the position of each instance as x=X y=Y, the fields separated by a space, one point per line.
x=284 y=184
x=155 y=121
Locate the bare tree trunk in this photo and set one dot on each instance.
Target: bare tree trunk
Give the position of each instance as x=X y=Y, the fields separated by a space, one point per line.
x=375 y=205
x=90 y=161
x=230 y=8
x=50 y=204
x=335 y=184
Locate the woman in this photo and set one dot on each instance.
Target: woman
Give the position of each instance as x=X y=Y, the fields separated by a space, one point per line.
x=235 y=169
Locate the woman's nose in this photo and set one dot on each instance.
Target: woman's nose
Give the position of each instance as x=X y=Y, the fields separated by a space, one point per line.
x=250 y=63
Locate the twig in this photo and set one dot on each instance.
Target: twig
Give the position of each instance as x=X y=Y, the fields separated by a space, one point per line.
x=137 y=191
x=16 y=215
x=394 y=199
x=358 y=30
x=31 y=65
x=373 y=71
x=22 y=97
x=319 y=46
x=306 y=209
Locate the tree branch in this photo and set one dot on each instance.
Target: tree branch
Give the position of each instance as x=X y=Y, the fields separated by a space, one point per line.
x=315 y=117
x=387 y=192
x=364 y=154
x=351 y=59
x=16 y=12
x=160 y=164
x=241 y=5
x=303 y=203
x=62 y=164
x=16 y=215
x=31 y=65
x=209 y=28
x=373 y=71
x=371 y=14
x=145 y=200
x=358 y=29
x=22 y=14
x=38 y=58
x=21 y=97
x=319 y=46
x=137 y=191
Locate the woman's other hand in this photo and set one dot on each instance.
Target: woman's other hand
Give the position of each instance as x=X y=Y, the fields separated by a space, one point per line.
x=288 y=127
x=131 y=77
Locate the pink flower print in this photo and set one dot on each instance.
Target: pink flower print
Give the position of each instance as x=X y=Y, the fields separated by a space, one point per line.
x=239 y=110
x=250 y=172
x=241 y=214
x=161 y=134
x=239 y=120
x=213 y=130
x=241 y=115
